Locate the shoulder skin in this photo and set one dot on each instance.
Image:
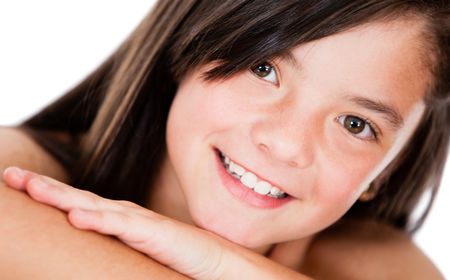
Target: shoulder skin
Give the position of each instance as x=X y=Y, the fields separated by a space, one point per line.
x=367 y=250
x=36 y=240
x=18 y=149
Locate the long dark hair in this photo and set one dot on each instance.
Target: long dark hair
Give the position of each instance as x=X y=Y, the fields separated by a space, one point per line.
x=116 y=117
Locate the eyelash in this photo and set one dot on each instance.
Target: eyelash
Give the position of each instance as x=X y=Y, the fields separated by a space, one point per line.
x=372 y=126
x=376 y=132
x=274 y=68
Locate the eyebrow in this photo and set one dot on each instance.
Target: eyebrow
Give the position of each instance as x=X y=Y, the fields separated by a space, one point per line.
x=389 y=112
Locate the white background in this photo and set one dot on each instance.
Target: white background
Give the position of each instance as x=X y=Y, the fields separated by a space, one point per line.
x=46 y=47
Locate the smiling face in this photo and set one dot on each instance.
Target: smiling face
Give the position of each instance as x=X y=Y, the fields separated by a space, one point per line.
x=318 y=125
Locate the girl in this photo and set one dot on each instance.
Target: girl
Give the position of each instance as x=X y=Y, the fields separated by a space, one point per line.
x=256 y=125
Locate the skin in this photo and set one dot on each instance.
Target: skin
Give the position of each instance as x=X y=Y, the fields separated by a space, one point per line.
x=162 y=239
x=18 y=149
x=38 y=242
x=366 y=250
x=331 y=255
x=233 y=120
x=34 y=235
x=274 y=128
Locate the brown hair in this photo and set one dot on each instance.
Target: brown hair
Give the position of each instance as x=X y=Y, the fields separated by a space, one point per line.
x=116 y=117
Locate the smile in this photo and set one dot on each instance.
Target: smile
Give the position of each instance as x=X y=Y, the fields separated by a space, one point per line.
x=250 y=180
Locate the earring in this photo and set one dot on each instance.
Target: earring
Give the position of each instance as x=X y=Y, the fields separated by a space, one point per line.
x=368 y=194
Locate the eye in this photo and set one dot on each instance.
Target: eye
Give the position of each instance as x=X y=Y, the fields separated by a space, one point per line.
x=360 y=128
x=265 y=71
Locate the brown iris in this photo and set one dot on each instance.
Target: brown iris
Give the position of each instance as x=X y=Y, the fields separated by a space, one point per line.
x=354 y=125
x=262 y=70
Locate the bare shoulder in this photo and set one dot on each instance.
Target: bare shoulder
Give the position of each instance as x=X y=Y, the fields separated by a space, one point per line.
x=36 y=240
x=38 y=243
x=367 y=250
x=17 y=148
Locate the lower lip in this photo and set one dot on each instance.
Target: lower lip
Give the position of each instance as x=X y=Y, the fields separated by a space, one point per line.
x=244 y=194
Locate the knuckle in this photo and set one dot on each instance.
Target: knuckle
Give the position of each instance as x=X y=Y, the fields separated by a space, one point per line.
x=95 y=200
x=127 y=203
x=86 y=193
x=122 y=218
x=127 y=221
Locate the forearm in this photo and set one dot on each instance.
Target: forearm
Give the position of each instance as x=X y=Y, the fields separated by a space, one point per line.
x=38 y=243
x=249 y=265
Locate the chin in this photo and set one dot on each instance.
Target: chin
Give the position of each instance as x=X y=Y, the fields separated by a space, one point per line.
x=243 y=235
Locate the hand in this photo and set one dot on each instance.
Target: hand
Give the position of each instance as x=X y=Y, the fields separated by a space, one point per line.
x=189 y=250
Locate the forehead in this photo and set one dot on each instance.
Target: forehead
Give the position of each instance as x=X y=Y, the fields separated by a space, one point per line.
x=380 y=59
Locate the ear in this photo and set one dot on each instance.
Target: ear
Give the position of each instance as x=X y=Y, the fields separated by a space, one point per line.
x=368 y=194
x=375 y=186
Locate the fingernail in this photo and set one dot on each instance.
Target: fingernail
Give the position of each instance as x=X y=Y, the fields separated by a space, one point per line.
x=16 y=172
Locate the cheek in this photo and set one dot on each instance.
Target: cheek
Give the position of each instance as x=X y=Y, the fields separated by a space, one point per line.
x=191 y=115
x=343 y=184
x=199 y=112
x=201 y=109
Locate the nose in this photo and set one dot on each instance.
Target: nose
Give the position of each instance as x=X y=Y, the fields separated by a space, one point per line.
x=285 y=138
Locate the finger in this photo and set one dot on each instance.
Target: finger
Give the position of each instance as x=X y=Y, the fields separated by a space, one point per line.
x=16 y=177
x=138 y=233
x=61 y=195
x=58 y=194
x=163 y=239
x=131 y=228
x=148 y=234
x=52 y=192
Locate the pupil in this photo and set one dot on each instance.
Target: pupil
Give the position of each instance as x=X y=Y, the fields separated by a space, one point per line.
x=262 y=70
x=354 y=125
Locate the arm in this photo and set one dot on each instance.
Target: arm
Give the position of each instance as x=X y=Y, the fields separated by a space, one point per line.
x=367 y=250
x=37 y=241
x=187 y=249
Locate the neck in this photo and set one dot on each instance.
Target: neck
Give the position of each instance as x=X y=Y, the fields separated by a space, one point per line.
x=166 y=197
x=291 y=253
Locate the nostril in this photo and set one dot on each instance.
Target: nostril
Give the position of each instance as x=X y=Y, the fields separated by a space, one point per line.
x=263 y=147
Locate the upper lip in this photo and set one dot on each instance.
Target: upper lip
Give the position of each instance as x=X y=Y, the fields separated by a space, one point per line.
x=251 y=170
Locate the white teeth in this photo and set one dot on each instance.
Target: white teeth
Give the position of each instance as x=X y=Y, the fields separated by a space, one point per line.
x=275 y=191
x=263 y=187
x=239 y=170
x=249 y=180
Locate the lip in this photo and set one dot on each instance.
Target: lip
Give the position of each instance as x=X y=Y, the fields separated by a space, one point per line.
x=244 y=194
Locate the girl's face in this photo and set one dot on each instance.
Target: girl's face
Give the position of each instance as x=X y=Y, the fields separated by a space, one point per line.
x=313 y=129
